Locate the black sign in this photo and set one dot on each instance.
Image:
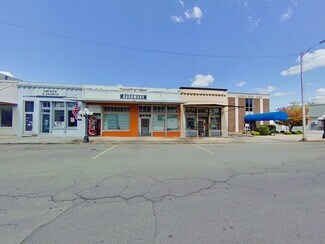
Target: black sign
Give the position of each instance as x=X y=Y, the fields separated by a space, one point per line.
x=133 y=96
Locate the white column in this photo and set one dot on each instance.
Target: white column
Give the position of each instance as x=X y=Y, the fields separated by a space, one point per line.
x=236 y=115
x=182 y=121
x=261 y=109
x=224 y=121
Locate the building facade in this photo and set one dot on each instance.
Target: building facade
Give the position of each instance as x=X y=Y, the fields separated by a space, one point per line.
x=125 y=111
x=315 y=111
x=204 y=112
x=52 y=109
x=47 y=109
x=242 y=104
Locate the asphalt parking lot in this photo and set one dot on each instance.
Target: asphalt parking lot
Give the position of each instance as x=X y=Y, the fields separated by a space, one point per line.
x=222 y=193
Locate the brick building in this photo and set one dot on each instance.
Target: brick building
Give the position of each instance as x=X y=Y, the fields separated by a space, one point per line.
x=242 y=104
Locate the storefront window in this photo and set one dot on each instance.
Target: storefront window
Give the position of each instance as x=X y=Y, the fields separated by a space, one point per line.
x=72 y=121
x=191 y=124
x=59 y=119
x=6 y=116
x=159 y=122
x=172 y=122
x=119 y=120
x=215 y=123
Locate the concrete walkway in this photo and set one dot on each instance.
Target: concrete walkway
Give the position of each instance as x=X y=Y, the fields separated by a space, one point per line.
x=313 y=136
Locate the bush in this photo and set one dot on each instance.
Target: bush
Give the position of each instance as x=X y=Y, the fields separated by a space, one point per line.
x=271 y=127
x=298 y=132
x=255 y=133
x=293 y=132
x=263 y=130
x=287 y=133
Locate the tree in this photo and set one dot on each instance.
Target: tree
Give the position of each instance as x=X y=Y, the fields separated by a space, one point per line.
x=294 y=112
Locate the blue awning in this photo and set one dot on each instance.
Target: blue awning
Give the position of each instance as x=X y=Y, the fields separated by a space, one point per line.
x=267 y=116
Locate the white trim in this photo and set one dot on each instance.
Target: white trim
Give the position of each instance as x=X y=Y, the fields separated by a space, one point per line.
x=236 y=115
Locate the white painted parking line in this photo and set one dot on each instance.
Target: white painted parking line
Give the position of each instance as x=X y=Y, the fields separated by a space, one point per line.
x=104 y=152
x=204 y=149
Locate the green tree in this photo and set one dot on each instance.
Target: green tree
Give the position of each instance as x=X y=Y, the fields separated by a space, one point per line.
x=294 y=112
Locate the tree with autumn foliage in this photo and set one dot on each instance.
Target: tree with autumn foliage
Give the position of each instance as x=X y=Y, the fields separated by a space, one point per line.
x=294 y=112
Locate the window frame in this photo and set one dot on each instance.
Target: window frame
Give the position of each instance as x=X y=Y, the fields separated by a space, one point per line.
x=4 y=108
x=118 y=110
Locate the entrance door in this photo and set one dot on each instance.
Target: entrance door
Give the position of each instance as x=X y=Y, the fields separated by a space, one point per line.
x=145 y=126
x=45 y=123
x=28 y=123
x=202 y=128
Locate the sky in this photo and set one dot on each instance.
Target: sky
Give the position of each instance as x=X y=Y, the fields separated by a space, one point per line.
x=248 y=46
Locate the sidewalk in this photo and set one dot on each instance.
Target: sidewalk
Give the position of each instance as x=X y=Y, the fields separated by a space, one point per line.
x=313 y=136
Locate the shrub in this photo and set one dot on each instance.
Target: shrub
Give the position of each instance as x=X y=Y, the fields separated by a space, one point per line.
x=271 y=127
x=293 y=132
x=263 y=130
x=298 y=132
x=287 y=133
x=255 y=133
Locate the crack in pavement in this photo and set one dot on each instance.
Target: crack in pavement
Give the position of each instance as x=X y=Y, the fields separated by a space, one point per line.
x=30 y=235
x=144 y=196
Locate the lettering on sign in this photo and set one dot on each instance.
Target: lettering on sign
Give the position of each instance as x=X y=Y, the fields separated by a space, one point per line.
x=50 y=92
x=133 y=96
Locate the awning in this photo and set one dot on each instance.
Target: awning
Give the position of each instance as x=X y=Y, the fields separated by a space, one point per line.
x=7 y=103
x=267 y=116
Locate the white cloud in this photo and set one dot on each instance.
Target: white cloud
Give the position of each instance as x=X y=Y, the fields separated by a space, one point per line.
x=286 y=16
x=281 y=94
x=252 y=23
x=240 y=83
x=312 y=60
x=181 y=3
x=195 y=14
x=202 y=80
x=119 y=85
x=320 y=95
x=177 y=19
x=266 y=90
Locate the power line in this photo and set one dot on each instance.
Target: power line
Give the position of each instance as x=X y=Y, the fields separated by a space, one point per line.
x=144 y=49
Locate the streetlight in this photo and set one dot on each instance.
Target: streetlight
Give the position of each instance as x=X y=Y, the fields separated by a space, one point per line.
x=86 y=113
x=301 y=57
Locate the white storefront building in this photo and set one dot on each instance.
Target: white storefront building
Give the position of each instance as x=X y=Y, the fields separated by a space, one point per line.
x=45 y=109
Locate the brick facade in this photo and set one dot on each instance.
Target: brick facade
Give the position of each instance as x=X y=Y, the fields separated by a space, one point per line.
x=231 y=115
x=242 y=113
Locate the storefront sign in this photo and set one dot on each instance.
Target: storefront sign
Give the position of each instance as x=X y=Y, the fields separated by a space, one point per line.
x=133 y=96
x=49 y=92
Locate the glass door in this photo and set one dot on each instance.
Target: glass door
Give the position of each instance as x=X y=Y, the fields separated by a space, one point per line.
x=145 y=126
x=45 y=123
x=28 y=122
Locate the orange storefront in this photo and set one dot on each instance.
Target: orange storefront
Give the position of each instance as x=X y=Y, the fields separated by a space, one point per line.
x=132 y=112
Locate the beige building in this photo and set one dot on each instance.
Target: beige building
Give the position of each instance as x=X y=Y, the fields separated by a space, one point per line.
x=204 y=112
x=242 y=104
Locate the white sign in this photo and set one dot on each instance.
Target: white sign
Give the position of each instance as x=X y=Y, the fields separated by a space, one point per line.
x=49 y=92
